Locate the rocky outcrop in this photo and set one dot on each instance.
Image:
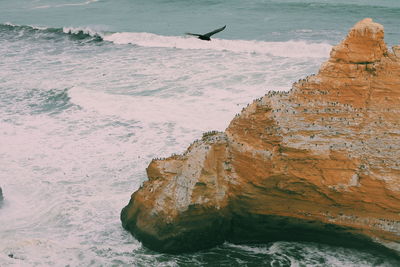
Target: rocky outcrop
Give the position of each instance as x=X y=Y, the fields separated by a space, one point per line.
x=318 y=163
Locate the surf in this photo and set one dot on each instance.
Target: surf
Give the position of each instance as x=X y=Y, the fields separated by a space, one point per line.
x=40 y=32
x=291 y=48
x=150 y=110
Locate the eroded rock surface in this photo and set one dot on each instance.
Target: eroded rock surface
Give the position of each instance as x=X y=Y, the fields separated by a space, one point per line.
x=318 y=163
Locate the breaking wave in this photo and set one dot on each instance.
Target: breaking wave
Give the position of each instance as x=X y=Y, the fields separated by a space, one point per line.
x=21 y=31
x=281 y=49
x=290 y=49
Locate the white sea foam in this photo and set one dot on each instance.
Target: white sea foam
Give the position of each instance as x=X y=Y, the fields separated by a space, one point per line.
x=289 y=49
x=295 y=49
x=149 y=109
x=9 y=24
x=70 y=4
x=86 y=30
x=52 y=177
x=308 y=254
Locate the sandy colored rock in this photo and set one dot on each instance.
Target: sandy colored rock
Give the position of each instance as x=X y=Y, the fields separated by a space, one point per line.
x=364 y=44
x=318 y=163
x=396 y=50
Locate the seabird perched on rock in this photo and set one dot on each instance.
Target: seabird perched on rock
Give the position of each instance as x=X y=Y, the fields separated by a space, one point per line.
x=207 y=36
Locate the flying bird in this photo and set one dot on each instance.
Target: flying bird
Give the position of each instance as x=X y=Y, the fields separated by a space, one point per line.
x=207 y=36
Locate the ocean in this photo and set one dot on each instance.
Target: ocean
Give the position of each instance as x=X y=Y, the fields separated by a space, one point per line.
x=91 y=91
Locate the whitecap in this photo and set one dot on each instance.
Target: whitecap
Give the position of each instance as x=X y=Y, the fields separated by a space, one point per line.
x=70 y=4
x=291 y=49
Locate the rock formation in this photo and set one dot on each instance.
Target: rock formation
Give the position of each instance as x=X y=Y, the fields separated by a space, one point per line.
x=318 y=163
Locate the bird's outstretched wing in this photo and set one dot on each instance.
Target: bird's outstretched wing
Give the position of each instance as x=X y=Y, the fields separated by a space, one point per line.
x=194 y=34
x=214 y=31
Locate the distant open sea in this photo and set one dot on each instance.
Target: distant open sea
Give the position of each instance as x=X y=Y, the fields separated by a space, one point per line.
x=92 y=90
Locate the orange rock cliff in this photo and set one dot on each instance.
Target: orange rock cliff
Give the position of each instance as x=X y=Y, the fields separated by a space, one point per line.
x=318 y=163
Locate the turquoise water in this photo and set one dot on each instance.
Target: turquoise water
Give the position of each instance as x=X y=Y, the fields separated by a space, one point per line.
x=91 y=91
x=267 y=20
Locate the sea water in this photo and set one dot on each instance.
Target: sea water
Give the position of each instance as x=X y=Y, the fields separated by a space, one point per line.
x=91 y=91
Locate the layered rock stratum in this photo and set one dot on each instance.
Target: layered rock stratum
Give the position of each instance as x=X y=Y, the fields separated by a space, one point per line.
x=318 y=163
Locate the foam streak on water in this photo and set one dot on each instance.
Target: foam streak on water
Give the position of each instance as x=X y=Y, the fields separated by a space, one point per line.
x=66 y=5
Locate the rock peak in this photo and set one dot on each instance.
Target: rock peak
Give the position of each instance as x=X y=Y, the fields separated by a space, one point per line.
x=363 y=44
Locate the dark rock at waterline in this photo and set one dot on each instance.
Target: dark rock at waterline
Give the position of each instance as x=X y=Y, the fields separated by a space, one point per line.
x=194 y=231
x=1 y=197
x=197 y=230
